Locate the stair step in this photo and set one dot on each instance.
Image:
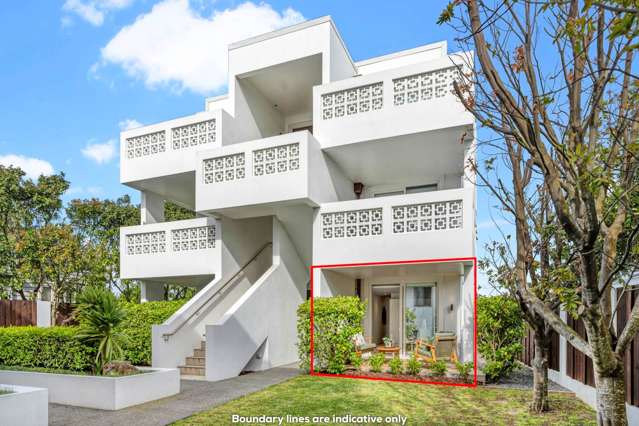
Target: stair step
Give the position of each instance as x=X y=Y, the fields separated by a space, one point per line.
x=195 y=361
x=199 y=353
x=203 y=345
x=191 y=370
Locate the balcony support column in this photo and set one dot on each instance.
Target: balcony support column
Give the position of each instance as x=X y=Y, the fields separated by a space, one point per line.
x=151 y=291
x=151 y=208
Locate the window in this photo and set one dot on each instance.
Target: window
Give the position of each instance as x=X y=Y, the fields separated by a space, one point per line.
x=421 y=188
x=423 y=296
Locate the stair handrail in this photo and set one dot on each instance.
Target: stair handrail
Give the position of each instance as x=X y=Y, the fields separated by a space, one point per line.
x=222 y=287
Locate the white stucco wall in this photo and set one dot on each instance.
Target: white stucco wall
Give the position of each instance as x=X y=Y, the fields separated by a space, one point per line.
x=25 y=406
x=186 y=327
x=43 y=313
x=100 y=392
x=264 y=317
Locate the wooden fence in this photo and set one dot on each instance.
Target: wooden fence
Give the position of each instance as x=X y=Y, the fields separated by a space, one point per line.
x=632 y=354
x=18 y=312
x=528 y=352
x=579 y=367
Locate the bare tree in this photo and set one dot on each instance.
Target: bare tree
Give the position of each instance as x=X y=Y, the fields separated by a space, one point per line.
x=557 y=79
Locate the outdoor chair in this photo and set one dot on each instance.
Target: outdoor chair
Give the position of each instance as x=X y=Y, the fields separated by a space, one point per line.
x=444 y=346
x=363 y=344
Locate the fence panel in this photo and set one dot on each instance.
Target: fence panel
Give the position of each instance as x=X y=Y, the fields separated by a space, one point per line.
x=17 y=313
x=528 y=352
x=631 y=357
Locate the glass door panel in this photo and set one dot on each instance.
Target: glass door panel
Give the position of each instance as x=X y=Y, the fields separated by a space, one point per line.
x=419 y=313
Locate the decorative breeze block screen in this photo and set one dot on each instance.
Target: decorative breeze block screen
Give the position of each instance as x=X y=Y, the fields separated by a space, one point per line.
x=427 y=217
x=278 y=159
x=226 y=168
x=425 y=86
x=355 y=223
x=200 y=237
x=193 y=134
x=144 y=145
x=146 y=243
x=352 y=101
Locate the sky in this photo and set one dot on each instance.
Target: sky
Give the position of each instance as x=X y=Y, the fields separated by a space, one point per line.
x=76 y=72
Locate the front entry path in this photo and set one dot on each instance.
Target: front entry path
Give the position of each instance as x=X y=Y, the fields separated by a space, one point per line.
x=195 y=396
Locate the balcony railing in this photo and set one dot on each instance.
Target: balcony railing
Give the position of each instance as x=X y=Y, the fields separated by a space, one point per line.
x=409 y=89
x=423 y=217
x=169 y=249
x=174 y=138
x=426 y=225
x=265 y=161
x=406 y=100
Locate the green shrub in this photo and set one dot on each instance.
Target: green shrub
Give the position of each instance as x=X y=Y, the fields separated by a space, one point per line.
x=336 y=321
x=53 y=348
x=500 y=329
x=99 y=314
x=356 y=360
x=438 y=368
x=377 y=362
x=395 y=365
x=464 y=369
x=137 y=327
x=414 y=366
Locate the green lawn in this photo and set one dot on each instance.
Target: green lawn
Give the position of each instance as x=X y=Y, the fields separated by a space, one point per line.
x=422 y=404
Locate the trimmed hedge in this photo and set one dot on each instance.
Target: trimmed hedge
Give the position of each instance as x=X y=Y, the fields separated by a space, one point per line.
x=137 y=327
x=53 y=347
x=336 y=321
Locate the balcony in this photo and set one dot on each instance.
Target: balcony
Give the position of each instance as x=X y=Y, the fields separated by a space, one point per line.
x=161 y=157
x=255 y=178
x=185 y=251
x=430 y=225
x=401 y=101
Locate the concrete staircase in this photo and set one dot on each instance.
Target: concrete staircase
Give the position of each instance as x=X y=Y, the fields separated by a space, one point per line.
x=194 y=365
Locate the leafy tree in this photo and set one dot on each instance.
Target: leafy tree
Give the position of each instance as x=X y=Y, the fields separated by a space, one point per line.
x=25 y=205
x=174 y=212
x=97 y=223
x=51 y=255
x=573 y=116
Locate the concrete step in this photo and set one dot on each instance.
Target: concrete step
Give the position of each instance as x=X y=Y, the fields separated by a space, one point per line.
x=199 y=353
x=191 y=370
x=195 y=361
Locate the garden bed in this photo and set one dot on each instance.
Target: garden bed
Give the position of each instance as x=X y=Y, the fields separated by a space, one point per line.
x=422 y=377
x=101 y=392
x=22 y=405
x=425 y=375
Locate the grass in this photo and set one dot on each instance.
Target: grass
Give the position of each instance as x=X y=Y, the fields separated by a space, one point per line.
x=5 y=391
x=421 y=404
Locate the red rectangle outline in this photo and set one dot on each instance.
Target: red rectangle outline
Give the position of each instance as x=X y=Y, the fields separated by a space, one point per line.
x=400 y=262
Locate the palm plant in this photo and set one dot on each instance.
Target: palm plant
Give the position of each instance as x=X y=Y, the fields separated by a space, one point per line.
x=99 y=314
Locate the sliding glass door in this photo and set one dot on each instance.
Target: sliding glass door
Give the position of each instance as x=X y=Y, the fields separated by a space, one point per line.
x=420 y=315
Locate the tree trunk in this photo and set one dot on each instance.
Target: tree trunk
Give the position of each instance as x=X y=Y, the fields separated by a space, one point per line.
x=611 y=398
x=540 y=372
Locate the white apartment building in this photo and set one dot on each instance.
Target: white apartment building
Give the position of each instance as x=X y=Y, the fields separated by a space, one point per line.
x=310 y=159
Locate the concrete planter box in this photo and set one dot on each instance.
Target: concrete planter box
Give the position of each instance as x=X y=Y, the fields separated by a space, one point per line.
x=25 y=406
x=104 y=393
